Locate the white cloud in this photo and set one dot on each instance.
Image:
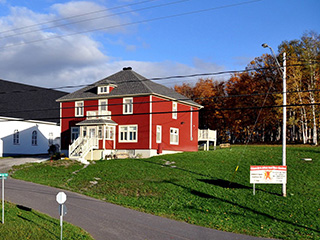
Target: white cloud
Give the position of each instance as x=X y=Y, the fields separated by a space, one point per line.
x=170 y=69
x=99 y=17
x=75 y=59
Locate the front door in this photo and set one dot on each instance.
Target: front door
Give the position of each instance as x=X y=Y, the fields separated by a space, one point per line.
x=92 y=132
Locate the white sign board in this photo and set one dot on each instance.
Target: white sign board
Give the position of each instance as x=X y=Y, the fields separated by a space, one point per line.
x=268 y=174
x=61 y=197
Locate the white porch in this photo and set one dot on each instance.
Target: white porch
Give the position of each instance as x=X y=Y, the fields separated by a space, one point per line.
x=208 y=136
x=95 y=133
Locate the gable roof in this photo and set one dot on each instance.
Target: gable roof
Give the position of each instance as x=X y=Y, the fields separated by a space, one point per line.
x=29 y=102
x=128 y=83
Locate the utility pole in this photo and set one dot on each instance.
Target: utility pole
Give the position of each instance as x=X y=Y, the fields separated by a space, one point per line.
x=284 y=127
x=284 y=108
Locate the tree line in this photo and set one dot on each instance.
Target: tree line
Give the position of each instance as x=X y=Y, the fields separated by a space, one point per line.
x=248 y=106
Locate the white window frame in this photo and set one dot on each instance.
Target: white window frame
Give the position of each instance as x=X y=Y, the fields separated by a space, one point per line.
x=103 y=103
x=34 y=138
x=50 y=138
x=109 y=132
x=103 y=89
x=74 y=130
x=100 y=132
x=84 y=132
x=127 y=107
x=79 y=110
x=16 y=137
x=174 y=110
x=126 y=131
x=174 y=136
x=159 y=134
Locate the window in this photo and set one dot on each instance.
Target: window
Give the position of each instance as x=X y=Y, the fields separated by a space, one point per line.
x=79 y=109
x=103 y=89
x=34 y=139
x=159 y=134
x=16 y=137
x=50 y=138
x=84 y=132
x=100 y=132
x=174 y=110
x=127 y=106
x=74 y=133
x=128 y=133
x=109 y=132
x=174 y=136
x=103 y=105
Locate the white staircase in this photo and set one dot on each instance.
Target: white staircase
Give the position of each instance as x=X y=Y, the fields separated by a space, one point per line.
x=79 y=149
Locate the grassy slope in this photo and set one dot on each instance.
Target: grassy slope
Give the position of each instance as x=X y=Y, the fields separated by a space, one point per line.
x=24 y=223
x=198 y=190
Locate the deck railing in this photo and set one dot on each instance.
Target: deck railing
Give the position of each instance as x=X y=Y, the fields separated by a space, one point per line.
x=99 y=114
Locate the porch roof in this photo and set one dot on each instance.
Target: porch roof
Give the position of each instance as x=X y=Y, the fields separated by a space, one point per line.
x=90 y=122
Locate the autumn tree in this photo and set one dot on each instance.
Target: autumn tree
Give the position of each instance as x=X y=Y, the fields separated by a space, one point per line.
x=303 y=77
x=248 y=94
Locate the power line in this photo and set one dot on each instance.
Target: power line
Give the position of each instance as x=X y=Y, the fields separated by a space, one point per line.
x=271 y=106
x=134 y=80
x=159 y=78
x=159 y=101
x=169 y=112
x=75 y=16
x=94 y=18
x=132 y=23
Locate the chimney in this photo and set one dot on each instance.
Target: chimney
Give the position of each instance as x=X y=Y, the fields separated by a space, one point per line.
x=127 y=68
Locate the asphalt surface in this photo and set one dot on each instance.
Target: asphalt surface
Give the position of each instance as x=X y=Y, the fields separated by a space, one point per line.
x=105 y=220
x=7 y=163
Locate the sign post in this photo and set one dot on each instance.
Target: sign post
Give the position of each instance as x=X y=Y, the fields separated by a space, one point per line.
x=268 y=175
x=3 y=176
x=61 y=198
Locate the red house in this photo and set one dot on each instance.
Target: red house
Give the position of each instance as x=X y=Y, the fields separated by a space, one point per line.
x=126 y=113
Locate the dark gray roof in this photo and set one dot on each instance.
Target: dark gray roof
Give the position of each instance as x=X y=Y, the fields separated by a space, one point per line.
x=29 y=102
x=98 y=121
x=128 y=83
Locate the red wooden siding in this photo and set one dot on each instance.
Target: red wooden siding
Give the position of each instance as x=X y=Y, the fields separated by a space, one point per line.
x=139 y=117
x=162 y=115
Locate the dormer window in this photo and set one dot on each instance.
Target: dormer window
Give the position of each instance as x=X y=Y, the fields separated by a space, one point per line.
x=103 y=89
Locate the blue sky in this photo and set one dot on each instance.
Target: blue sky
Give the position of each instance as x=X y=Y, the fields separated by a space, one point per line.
x=223 y=35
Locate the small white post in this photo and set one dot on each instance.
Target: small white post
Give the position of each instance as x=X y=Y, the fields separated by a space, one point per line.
x=61 y=198
x=61 y=220
x=254 y=189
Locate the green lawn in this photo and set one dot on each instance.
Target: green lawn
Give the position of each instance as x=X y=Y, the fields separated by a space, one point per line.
x=195 y=188
x=23 y=223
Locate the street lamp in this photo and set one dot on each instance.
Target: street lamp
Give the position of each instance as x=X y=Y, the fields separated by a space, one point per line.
x=284 y=128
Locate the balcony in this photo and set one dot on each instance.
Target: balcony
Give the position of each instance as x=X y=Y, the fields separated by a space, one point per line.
x=99 y=115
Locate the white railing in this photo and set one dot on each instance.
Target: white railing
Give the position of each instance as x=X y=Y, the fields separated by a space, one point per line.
x=82 y=146
x=99 y=114
x=91 y=143
x=207 y=134
x=73 y=147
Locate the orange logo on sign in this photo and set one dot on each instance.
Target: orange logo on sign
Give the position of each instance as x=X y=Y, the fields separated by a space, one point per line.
x=267 y=175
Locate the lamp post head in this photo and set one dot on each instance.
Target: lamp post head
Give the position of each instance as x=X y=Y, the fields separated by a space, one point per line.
x=265 y=45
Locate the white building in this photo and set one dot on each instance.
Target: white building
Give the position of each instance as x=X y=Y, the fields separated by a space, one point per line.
x=29 y=119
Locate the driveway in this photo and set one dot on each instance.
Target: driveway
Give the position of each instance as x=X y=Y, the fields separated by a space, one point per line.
x=105 y=220
x=7 y=163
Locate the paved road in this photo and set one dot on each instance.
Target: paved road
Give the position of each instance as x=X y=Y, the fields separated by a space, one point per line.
x=7 y=163
x=108 y=221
